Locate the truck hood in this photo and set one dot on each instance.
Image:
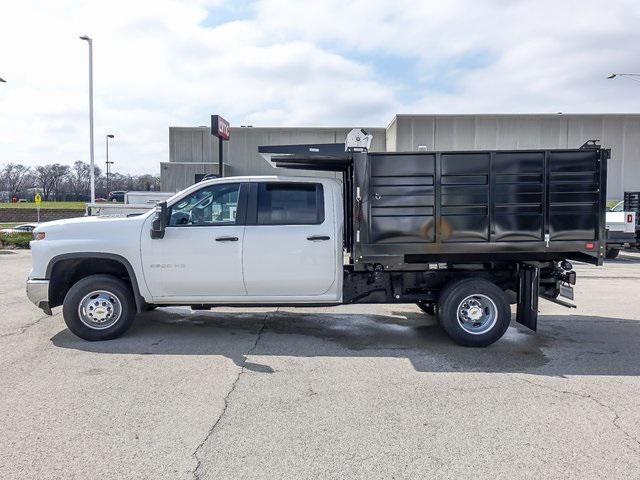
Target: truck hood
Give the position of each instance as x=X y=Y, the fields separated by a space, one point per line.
x=91 y=227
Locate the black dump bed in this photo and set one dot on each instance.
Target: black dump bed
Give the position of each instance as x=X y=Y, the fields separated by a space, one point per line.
x=416 y=208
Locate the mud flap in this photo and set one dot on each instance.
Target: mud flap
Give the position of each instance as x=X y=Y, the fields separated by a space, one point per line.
x=528 y=286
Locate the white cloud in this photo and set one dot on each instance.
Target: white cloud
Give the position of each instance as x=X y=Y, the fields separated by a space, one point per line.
x=296 y=63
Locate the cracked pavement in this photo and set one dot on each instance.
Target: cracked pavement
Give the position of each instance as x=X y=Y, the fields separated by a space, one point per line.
x=348 y=392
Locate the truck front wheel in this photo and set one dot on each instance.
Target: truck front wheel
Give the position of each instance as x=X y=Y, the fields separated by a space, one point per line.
x=474 y=312
x=99 y=307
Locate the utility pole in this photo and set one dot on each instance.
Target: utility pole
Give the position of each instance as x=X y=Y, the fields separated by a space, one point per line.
x=108 y=162
x=91 y=173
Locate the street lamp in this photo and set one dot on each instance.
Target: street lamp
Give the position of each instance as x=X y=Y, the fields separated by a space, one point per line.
x=108 y=162
x=631 y=76
x=2 y=80
x=91 y=173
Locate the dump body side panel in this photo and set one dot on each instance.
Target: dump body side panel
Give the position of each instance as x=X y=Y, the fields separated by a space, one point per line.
x=438 y=206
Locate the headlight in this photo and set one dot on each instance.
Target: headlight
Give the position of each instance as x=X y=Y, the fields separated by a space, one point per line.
x=39 y=236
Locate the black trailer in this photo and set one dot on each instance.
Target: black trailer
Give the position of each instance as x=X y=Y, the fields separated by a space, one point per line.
x=432 y=227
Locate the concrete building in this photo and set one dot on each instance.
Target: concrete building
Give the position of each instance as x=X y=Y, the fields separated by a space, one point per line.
x=194 y=151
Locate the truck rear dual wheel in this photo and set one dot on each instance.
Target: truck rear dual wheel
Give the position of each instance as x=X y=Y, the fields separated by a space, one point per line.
x=612 y=253
x=99 y=307
x=474 y=312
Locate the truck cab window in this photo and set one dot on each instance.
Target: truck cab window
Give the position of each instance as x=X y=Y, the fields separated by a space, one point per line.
x=212 y=205
x=290 y=204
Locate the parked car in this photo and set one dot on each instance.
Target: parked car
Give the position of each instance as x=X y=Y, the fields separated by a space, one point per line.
x=621 y=230
x=461 y=234
x=117 y=196
x=24 y=228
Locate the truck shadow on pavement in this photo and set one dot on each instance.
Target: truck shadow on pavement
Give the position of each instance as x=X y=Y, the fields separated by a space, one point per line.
x=563 y=346
x=624 y=257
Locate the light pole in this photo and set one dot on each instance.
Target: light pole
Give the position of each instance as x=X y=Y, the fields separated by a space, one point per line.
x=2 y=80
x=631 y=76
x=91 y=173
x=108 y=162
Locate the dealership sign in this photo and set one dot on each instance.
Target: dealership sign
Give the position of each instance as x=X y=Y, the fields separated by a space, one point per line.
x=220 y=127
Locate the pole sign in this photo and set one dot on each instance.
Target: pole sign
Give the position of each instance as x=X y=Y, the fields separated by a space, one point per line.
x=220 y=127
x=38 y=200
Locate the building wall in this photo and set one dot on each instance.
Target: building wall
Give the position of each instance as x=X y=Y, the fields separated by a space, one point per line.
x=189 y=145
x=391 y=135
x=176 y=176
x=621 y=133
x=191 y=148
x=243 y=146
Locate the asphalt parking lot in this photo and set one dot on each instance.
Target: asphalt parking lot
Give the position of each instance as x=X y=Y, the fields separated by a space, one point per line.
x=350 y=392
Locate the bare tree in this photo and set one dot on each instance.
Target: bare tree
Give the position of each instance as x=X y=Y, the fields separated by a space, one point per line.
x=145 y=182
x=79 y=178
x=49 y=178
x=148 y=182
x=59 y=174
x=62 y=182
x=15 y=177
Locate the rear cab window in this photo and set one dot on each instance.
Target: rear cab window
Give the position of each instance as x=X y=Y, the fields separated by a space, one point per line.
x=289 y=203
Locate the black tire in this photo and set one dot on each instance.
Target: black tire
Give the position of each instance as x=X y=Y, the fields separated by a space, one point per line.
x=114 y=287
x=612 y=253
x=452 y=296
x=428 y=308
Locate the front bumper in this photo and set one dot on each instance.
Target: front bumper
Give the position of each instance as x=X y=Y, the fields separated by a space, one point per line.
x=38 y=293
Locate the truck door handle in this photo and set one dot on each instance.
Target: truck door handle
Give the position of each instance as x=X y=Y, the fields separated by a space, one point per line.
x=226 y=239
x=318 y=237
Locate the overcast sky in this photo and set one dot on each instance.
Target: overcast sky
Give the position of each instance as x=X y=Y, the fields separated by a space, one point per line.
x=296 y=63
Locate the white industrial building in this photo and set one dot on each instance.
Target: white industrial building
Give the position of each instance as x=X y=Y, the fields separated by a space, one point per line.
x=194 y=151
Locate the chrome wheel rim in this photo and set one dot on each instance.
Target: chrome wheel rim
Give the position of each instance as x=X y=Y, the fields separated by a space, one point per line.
x=477 y=314
x=99 y=309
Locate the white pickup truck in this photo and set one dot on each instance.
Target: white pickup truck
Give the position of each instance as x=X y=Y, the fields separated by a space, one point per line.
x=102 y=269
x=621 y=230
x=454 y=233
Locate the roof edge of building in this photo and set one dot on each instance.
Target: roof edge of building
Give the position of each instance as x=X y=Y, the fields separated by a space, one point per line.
x=558 y=114
x=283 y=128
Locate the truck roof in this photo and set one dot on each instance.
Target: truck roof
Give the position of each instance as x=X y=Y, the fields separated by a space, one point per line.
x=268 y=178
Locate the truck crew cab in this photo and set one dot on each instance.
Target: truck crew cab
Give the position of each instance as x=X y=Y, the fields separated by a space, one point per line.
x=461 y=234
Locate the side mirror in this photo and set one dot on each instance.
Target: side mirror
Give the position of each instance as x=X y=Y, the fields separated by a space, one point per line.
x=160 y=221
